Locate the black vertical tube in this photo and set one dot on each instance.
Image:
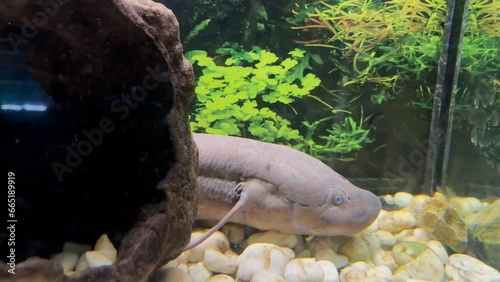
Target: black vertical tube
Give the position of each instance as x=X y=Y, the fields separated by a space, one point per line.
x=444 y=96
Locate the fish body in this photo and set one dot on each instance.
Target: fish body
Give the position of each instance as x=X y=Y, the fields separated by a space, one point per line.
x=287 y=190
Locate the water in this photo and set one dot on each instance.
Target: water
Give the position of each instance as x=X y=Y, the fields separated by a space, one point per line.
x=349 y=82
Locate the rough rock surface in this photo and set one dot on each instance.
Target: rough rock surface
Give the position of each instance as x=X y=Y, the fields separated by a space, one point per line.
x=484 y=230
x=114 y=71
x=443 y=222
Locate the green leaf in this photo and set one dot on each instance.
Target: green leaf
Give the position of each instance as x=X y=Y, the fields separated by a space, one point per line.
x=297 y=53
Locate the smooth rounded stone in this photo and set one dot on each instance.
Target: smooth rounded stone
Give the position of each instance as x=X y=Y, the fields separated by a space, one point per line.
x=463 y=206
x=417 y=201
x=182 y=259
x=406 y=251
x=439 y=250
x=96 y=259
x=235 y=233
x=92 y=259
x=218 y=241
x=199 y=273
x=221 y=278
x=75 y=248
x=464 y=268
x=321 y=243
x=354 y=272
x=183 y=267
x=475 y=203
x=389 y=199
x=217 y=262
x=171 y=264
x=262 y=257
x=81 y=264
x=419 y=235
x=359 y=247
x=401 y=236
x=105 y=247
x=330 y=255
x=426 y=266
x=386 y=239
x=443 y=222
x=403 y=199
x=372 y=228
x=330 y=271
x=396 y=221
x=381 y=257
x=303 y=270
x=267 y=277
x=274 y=237
x=484 y=228
x=379 y=273
x=66 y=260
x=174 y=275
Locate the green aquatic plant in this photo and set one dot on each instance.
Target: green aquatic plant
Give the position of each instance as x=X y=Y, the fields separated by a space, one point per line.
x=380 y=46
x=196 y=30
x=235 y=98
x=377 y=43
x=244 y=93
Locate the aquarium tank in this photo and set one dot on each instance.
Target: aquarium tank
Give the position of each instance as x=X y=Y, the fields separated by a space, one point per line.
x=250 y=140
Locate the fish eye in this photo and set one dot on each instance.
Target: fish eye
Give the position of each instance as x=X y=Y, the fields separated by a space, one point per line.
x=338 y=200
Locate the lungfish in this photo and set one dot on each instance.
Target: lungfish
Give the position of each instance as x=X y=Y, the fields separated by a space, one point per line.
x=275 y=187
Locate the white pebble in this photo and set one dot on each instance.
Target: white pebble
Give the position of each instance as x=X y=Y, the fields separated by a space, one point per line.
x=355 y=272
x=403 y=199
x=396 y=221
x=389 y=199
x=330 y=271
x=386 y=238
x=372 y=228
x=331 y=256
x=199 y=273
x=66 y=260
x=221 y=278
x=105 y=247
x=462 y=205
x=218 y=241
x=262 y=257
x=360 y=247
x=274 y=237
x=379 y=273
x=426 y=266
x=217 y=262
x=303 y=270
x=466 y=268
x=476 y=204
x=183 y=267
x=381 y=257
x=417 y=202
x=174 y=275
x=267 y=277
x=401 y=236
x=96 y=259
x=439 y=250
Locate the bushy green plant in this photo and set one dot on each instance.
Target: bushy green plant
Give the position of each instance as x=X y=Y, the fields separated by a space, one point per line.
x=242 y=97
x=379 y=46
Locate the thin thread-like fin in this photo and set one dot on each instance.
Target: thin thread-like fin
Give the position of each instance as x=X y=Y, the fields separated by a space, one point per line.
x=241 y=202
